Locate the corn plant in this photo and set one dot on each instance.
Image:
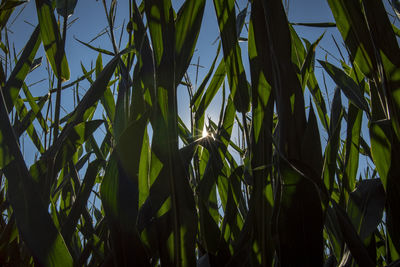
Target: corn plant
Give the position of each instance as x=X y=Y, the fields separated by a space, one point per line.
x=275 y=194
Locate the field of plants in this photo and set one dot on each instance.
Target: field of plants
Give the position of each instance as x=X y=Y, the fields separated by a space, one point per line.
x=287 y=189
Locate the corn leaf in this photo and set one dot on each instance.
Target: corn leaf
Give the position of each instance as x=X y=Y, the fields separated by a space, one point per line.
x=70 y=224
x=51 y=39
x=21 y=70
x=176 y=217
x=120 y=196
x=26 y=123
x=297 y=192
x=33 y=221
x=262 y=104
x=187 y=28
x=91 y=97
x=6 y=9
x=225 y=10
x=332 y=147
x=195 y=101
x=353 y=241
x=351 y=23
x=347 y=85
x=353 y=135
x=365 y=206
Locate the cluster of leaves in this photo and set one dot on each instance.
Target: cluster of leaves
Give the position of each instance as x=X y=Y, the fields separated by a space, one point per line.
x=289 y=200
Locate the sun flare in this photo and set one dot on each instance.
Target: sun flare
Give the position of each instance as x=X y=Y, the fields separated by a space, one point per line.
x=204 y=133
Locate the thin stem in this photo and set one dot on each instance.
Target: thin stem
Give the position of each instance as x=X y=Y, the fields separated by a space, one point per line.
x=246 y=130
x=111 y=24
x=59 y=82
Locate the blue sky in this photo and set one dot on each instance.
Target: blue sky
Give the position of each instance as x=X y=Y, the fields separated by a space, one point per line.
x=91 y=20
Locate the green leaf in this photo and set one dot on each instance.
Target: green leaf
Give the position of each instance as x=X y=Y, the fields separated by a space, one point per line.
x=299 y=199
x=331 y=150
x=26 y=123
x=174 y=207
x=283 y=78
x=313 y=158
x=91 y=97
x=259 y=231
x=353 y=135
x=187 y=28
x=70 y=224
x=6 y=9
x=353 y=241
x=334 y=233
x=386 y=49
x=299 y=54
x=351 y=23
x=36 y=107
x=10 y=4
x=225 y=10
x=120 y=196
x=347 y=85
x=97 y=49
x=212 y=89
x=195 y=101
x=86 y=75
x=21 y=70
x=40 y=171
x=365 y=206
x=381 y=148
x=211 y=238
x=33 y=220
x=308 y=66
x=122 y=112
x=240 y=20
x=317 y=25
x=51 y=39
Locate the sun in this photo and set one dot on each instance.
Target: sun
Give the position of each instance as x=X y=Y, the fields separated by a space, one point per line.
x=205 y=132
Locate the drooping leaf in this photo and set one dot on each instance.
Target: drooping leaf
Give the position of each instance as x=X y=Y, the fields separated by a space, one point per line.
x=187 y=28
x=298 y=197
x=262 y=125
x=347 y=85
x=6 y=9
x=51 y=40
x=21 y=70
x=353 y=241
x=365 y=207
x=70 y=224
x=33 y=221
x=97 y=49
x=225 y=10
x=91 y=97
x=173 y=208
x=308 y=66
x=351 y=23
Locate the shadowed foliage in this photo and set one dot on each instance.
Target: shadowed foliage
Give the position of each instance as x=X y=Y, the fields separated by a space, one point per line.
x=276 y=180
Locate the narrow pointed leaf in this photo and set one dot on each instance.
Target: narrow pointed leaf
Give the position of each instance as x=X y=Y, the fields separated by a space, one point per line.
x=187 y=30
x=365 y=207
x=225 y=10
x=21 y=70
x=347 y=85
x=51 y=39
x=33 y=221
